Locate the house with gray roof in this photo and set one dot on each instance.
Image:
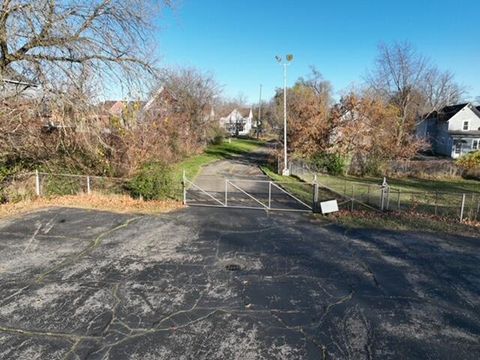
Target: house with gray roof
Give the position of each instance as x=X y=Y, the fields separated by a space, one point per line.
x=453 y=130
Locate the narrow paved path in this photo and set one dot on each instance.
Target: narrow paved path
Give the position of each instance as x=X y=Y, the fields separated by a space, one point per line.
x=247 y=185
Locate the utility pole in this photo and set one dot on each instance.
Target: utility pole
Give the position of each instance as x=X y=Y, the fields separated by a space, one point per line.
x=288 y=59
x=259 y=120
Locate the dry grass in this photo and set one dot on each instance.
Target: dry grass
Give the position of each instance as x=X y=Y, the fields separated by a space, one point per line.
x=114 y=203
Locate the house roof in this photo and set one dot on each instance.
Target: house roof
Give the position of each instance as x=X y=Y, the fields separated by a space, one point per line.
x=447 y=112
x=471 y=133
x=116 y=107
x=244 y=112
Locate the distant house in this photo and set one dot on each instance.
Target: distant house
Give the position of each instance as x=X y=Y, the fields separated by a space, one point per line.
x=453 y=130
x=158 y=104
x=114 y=107
x=238 y=122
x=121 y=113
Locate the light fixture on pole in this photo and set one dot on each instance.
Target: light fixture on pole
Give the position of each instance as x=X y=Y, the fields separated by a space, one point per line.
x=288 y=60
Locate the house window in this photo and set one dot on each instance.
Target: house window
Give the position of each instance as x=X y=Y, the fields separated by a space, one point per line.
x=465 y=126
x=475 y=144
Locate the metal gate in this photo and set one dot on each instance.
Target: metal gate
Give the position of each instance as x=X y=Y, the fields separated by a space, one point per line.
x=242 y=193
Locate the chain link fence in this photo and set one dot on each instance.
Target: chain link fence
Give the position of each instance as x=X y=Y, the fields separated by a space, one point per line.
x=383 y=197
x=27 y=185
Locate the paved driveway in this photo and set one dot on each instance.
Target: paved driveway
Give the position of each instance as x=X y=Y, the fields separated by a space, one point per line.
x=206 y=283
x=240 y=183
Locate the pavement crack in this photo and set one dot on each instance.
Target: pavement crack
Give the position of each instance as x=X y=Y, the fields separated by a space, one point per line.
x=72 y=350
x=301 y=330
x=95 y=243
x=114 y=308
x=338 y=302
x=360 y=261
x=68 y=336
x=169 y=317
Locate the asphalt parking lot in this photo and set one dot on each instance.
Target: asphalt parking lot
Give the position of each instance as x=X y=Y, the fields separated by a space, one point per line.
x=207 y=283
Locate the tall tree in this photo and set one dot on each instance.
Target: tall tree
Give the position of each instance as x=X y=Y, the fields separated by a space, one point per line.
x=308 y=108
x=48 y=41
x=365 y=132
x=68 y=48
x=408 y=80
x=180 y=113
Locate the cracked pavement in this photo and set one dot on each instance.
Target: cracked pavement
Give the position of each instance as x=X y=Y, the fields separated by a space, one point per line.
x=218 y=283
x=78 y=284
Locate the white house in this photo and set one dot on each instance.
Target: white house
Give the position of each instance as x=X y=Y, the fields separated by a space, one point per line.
x=453 y=130
x=238 y=122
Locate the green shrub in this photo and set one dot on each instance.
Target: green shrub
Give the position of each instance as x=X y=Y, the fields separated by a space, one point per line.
x=154 y=181
x=332 y=163
x=217 y=140
x=469 y=161
x=217 y=135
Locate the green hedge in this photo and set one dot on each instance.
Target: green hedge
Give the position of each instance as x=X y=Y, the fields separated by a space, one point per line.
x=332 y=163
x=154 y=181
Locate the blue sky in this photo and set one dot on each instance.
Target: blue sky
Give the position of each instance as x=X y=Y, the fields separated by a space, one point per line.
x=237 y=40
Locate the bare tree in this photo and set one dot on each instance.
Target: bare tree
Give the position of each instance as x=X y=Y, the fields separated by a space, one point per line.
x=177 y=119
x=440 y=89
x=365 y=132
x=65 y=50
x=409 y=81
x=316 y=81
x=308 y=108
x=50 y=42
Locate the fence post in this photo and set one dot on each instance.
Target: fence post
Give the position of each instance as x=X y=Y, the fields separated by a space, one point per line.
x=472 y=207
x=37 y=183
x=269 y=195
x=88 y=185
x=353 y=194
x=368 y=194
x=436 y=203
x=184 y=185
x=478 y=207
x=398 y=200
x=387 y=189
x=315 y=198
x=226 y=192
x=462 y=208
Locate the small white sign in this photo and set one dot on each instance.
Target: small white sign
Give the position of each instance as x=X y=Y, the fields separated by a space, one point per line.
x=329 y=206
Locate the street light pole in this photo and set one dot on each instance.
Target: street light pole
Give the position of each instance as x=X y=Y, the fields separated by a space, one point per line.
x=285 y=171
x=259 y=120
x=288 y=59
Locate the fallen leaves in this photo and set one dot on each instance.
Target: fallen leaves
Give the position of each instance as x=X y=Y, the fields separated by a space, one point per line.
x=114 y=203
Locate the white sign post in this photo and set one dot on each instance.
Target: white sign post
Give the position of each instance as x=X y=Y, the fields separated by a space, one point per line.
x=329 y=206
